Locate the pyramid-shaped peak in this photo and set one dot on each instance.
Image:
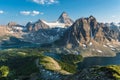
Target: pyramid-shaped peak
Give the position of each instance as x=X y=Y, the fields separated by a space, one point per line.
x=64 y=18
x=64 y=15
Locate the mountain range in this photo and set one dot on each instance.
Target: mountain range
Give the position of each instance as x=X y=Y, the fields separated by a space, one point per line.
x=60 y=50
x=85 y=35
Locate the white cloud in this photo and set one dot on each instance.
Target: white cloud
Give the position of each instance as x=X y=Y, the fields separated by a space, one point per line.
x=25 y=12
x=31 y=13
x=45 y=1
x=34 y=13
x=1 y=11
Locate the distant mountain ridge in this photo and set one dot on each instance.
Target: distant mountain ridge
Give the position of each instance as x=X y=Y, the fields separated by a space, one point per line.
x=85 y=35
x=63 y=22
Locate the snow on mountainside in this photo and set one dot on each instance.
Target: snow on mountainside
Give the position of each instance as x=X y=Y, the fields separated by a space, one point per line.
x=14 y=27
x=63 y=21
x=54 y=24
x=42 y=31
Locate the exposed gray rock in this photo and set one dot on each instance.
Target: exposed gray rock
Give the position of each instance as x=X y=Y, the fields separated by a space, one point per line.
x=64 y=18
x=32 y=27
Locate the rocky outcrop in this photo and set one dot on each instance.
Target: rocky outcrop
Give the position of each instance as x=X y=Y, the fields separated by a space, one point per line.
x=86 y=30
x=29 y=26
x=113 y=30
x=14 y=27
x=32 y=27
x=10 y=24
x=89 y=38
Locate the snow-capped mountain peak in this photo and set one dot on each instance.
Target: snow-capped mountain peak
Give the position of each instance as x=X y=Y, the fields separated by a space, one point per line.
x=54 y=24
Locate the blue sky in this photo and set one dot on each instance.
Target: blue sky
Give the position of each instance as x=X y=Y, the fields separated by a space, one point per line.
x=22 y=11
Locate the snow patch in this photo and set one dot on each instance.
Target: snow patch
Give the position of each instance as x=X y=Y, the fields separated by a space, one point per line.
x=11 y=32
x=17 y=28
x=99 y=51
x=84 y=46
x=105 y=45
x=54 y=24
x=111 y=46
x=113 y=49
x=78 y=41
x=90 y=43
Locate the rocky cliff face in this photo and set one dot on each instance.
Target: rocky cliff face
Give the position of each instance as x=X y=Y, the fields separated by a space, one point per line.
x=40 y=32
x=85 y=30
x=89 y=38
x=43 y=36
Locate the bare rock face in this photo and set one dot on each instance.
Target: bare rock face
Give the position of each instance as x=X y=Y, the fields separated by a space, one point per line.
x=64 y=18
x=14 y=27
x=85 y=30
x=80 y=32
x=11 y=29
x=3 y=31
x=10 y=24
x=13 y=24
x=40 y=25
x=99 y=35
x=32 y=27
x=29 y=26
x=93 y=26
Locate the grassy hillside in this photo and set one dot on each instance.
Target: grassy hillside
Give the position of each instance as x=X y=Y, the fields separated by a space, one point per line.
x=69 y=62
x=111 y=72
x=20 y=62
x=114 y=70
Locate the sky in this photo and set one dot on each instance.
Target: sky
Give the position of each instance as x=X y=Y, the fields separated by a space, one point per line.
x=23 y=11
